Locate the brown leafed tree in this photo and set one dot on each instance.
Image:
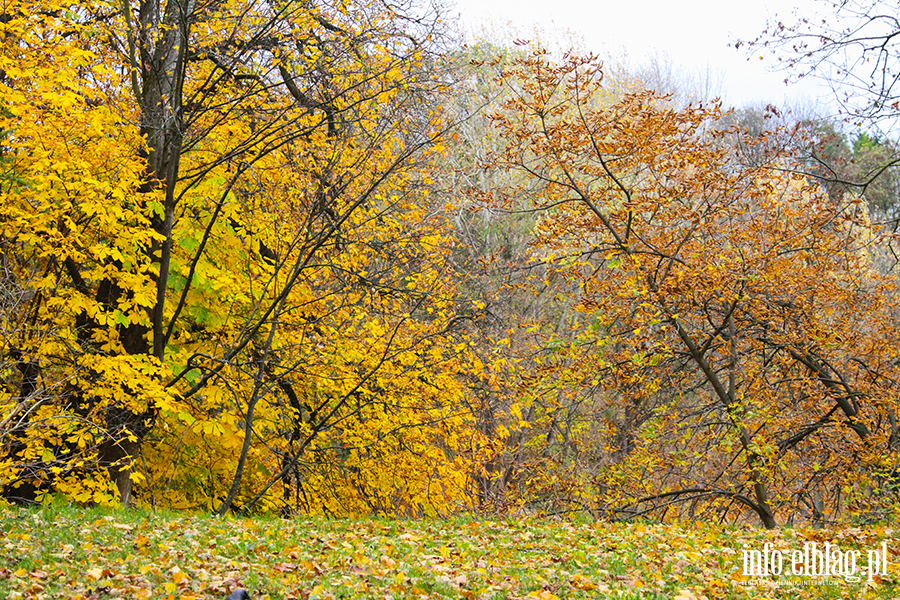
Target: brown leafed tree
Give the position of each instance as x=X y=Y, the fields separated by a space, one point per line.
x=736 y=349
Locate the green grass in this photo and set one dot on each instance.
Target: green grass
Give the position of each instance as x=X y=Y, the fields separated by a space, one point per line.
x=66 y=552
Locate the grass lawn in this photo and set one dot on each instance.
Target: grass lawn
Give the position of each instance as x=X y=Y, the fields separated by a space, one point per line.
x=65 y=552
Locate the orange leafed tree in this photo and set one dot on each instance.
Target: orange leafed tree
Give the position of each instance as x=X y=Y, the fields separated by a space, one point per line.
x=734 y=347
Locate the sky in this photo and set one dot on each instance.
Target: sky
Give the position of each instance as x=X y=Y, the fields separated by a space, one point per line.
x=698 y=36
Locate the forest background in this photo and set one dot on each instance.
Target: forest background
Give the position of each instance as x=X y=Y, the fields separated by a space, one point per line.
x=324 y=259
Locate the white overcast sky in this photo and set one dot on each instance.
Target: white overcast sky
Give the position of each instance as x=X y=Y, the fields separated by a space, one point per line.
x=696 y=35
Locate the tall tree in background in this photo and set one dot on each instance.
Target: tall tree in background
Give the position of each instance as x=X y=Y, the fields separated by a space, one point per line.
x=516 y=305
x=871 y=164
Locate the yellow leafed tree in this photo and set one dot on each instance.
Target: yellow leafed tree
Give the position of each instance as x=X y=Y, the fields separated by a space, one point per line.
x=225 y=279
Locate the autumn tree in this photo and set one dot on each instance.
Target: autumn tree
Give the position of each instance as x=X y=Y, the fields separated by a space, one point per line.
x=217 y=215
x=734 y=341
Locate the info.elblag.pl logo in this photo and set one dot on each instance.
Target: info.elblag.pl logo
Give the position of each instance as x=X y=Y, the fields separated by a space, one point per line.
x=821 y=561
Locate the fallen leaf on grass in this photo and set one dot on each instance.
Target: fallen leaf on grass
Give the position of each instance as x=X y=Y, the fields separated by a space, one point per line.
x=97 y=573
